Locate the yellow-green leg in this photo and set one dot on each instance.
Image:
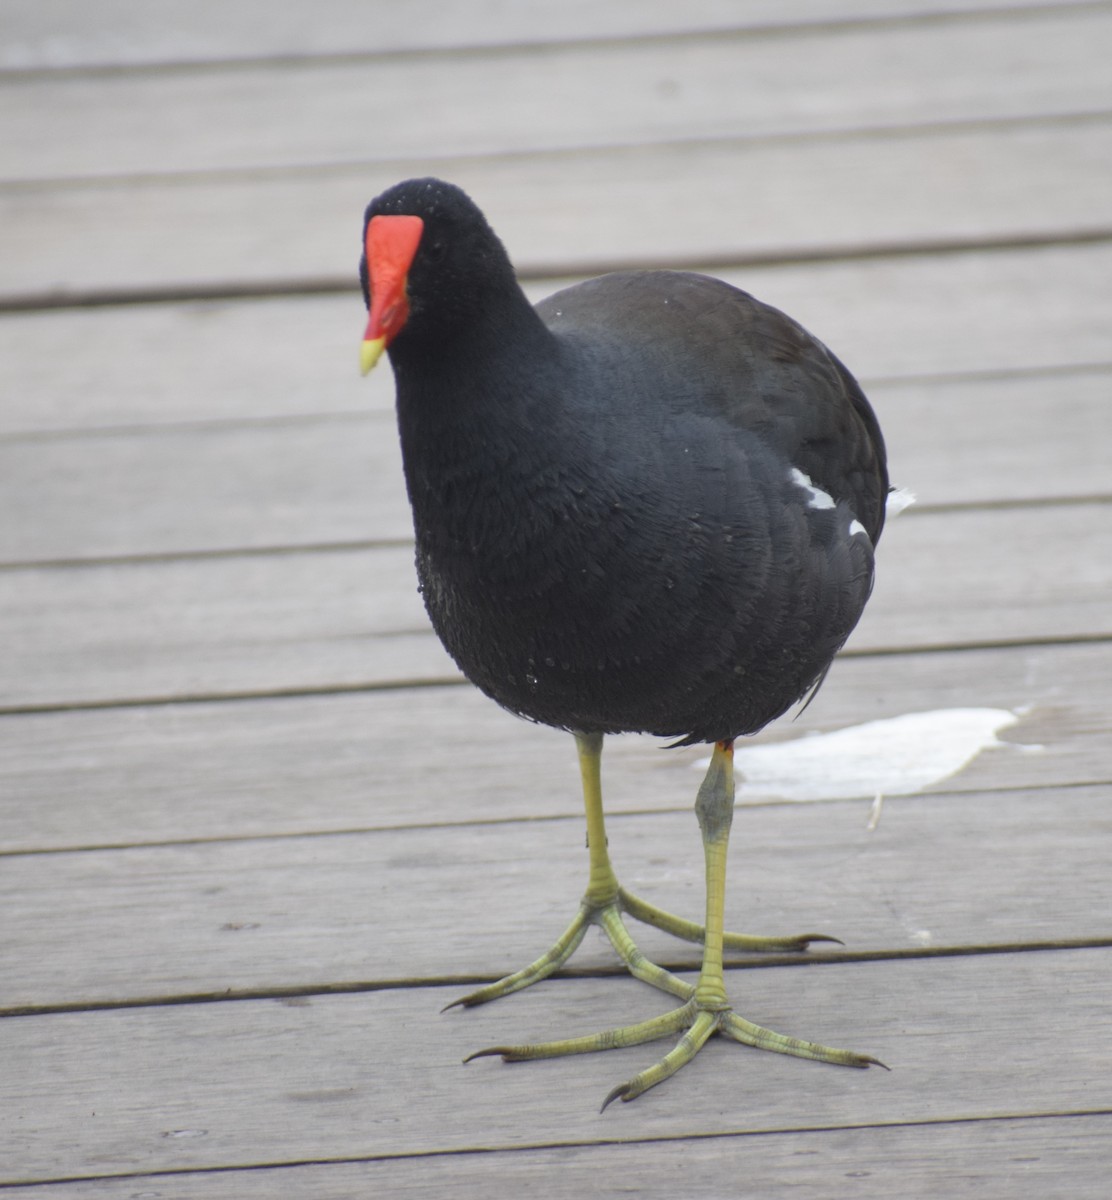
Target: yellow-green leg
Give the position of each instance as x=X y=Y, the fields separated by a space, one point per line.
x=604 y=902
x=601 y=905
x=706 y=1009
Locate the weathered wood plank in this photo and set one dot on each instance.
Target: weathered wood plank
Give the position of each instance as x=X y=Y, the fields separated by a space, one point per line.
x=351 y=762
x=168 y=628
x=947 y=442
x=44 y=34
x=466 y=902
x=228 y=1085
x=220 y=487
x=578 y=211
x=290 y=113
x=338 y=478
x=1054 y=1158
x=980 y=557
x=906 y=316
x=941 y=315
x=213 y=627
x=194 y=362
x=195 y=1086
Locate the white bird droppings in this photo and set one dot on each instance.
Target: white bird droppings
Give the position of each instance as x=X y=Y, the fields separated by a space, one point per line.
x=897 y=756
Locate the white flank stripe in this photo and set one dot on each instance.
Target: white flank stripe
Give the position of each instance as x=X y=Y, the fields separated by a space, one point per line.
x=819 y=498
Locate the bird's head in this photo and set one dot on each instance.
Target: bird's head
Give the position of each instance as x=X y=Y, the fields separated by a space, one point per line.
x=429 y=259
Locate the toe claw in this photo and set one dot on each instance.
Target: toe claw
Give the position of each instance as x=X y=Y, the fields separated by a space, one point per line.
x=621 y=1092
x=489 y=1052
x=472 y=1000
x=807 y=938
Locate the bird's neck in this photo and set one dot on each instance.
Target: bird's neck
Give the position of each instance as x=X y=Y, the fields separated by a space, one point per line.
x=475 y=409
x=475 y=381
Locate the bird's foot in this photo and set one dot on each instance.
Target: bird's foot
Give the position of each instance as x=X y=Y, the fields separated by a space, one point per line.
x=695 y=1023
x=607 y=915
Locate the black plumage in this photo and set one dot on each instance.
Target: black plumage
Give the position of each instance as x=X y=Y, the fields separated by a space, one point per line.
x=608 y=535
x=648 y=504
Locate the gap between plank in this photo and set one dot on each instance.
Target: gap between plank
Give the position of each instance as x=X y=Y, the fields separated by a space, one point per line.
x=582 y=1144
x=526 y=819
x=362 y=416
x=543 y=272
x=757 y=29
x=361 y=545
x=255 y=172
x=394 y=685
x=308 y=990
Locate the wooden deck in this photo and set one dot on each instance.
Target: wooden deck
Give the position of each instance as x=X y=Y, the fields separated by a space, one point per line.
x=254 y=831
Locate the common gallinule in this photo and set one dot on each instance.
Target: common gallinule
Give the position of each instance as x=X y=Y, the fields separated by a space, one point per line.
x=650 y=504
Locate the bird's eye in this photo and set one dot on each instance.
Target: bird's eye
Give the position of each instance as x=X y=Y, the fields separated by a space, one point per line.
x=436 y=252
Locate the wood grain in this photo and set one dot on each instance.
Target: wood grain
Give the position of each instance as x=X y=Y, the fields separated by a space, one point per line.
x=668 y=203
x=470 y=902
x=363 y=761
x=198 y=628
x=903 y=316
x=378 y=1076
x=335 y=478
x=312 y=112
x=1056 y=1158
x=927 y=191
x=207 y=30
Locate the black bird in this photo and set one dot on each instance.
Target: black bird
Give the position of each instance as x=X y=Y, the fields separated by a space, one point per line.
x=648 y=504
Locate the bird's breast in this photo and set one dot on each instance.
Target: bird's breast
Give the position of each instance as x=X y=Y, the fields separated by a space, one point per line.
x=599 y=599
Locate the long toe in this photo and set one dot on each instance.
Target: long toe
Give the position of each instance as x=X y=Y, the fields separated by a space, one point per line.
x=695 y=1025
x=692 y=931
x=749 y=1034
x=610 y=1039
x=608 y=918
x=693 y=1040
x=540 y=968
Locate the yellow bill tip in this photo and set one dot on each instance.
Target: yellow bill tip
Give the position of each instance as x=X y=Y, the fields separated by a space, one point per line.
x=370 y=353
